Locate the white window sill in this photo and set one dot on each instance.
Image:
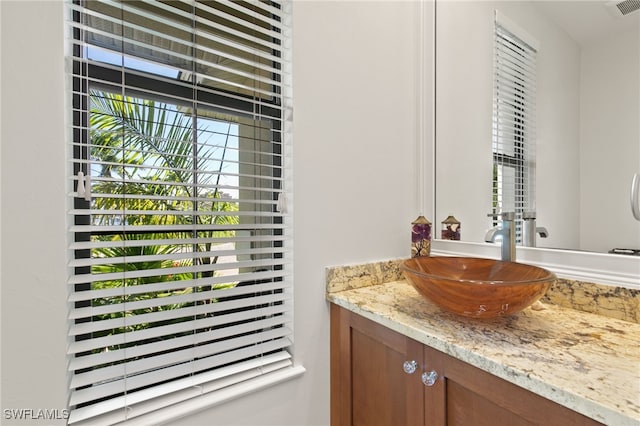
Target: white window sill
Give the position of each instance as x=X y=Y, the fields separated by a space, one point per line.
x=168 y=410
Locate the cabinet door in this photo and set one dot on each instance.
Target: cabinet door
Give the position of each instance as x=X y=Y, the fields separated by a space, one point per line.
x=470 y=396
x=368 y=384
x=435 y=397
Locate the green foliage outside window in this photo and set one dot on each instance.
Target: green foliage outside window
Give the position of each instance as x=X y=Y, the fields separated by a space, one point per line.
x=147 y=150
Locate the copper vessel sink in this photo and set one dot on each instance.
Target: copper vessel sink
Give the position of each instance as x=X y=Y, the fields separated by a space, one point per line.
x=477 y=288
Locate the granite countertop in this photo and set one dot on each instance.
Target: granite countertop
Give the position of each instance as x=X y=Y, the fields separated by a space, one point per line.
x=586 y=362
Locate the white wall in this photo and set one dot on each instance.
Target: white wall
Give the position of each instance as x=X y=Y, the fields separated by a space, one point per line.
x=33 y=268
x=610 y=141
x=464 y=116
x=356 y=130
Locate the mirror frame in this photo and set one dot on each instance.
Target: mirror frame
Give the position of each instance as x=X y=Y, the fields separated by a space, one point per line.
x=600 y=268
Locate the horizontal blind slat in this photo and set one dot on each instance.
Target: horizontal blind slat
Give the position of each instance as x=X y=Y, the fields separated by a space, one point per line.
x=77 y=263
x=87 y=245
x=172 y=228
x=202 y=383
x=151 y=287
x=152 y=20
x=196 y=349
x=263 y=111
x=161 y=346
x=114 y=388
x=172 y=314
x=189 y=213
x=156 y=333
x=213 y=294
x=155 y=272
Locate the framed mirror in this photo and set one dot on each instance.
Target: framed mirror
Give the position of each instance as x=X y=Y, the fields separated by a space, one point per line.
x=587 y=123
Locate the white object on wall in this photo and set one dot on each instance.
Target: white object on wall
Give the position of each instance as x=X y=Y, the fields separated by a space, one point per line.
x=635 y=190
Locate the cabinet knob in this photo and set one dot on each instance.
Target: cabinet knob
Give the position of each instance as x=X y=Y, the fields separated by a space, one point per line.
x=410 y=367
x=429 y=378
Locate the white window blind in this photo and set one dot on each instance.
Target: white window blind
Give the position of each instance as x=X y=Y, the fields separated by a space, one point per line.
x=514 y=127
x=181 y=269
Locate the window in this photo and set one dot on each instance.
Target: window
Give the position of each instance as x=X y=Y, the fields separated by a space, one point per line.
x=514 y=101
x=181 y=270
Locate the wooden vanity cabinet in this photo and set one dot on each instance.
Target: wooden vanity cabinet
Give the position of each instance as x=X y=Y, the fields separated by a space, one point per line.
x=370 y=387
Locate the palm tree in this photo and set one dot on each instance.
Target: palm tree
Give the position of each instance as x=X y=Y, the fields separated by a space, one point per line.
x=148 y=149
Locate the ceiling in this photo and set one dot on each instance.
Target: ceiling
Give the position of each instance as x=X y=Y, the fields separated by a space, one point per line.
x=586 y=21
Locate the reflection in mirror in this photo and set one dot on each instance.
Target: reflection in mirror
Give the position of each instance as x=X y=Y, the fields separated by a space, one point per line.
x=587 y=116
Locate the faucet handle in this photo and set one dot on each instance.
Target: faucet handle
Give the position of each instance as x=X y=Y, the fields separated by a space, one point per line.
x=504 y=215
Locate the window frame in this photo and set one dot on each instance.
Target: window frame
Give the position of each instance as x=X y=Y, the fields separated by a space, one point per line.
x=136 y=83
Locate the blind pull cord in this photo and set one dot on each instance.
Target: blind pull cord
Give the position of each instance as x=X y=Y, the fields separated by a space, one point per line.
x=281 y=205
x=81 y=189
x=84 y=186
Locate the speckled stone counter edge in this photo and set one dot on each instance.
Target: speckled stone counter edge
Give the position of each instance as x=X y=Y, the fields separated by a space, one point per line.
x=613 y=302
x=341 y=278
x=609 y=301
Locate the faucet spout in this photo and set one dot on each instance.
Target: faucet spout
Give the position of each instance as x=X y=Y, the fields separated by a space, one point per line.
x=491 y=235
x=542 y=231
x=530 y=231
x=506 y=234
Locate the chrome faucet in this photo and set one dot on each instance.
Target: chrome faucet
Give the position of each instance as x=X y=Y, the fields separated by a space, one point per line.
x=507 y=233
x=530 y=231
